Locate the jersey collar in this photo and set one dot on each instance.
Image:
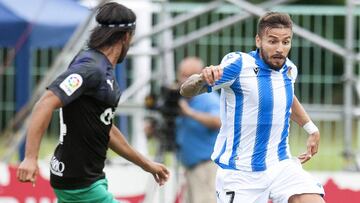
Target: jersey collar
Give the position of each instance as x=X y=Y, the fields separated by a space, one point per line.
x=105 y=59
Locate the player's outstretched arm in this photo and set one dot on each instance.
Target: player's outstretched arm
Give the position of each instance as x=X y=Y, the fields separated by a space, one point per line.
x=193 y=86
x=196 y=84
x=39 y=122
x=298 y=113
x=119 y=145
x=300 y=116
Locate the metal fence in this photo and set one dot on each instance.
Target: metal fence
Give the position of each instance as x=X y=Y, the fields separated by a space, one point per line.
x=319 y=86
x=41 y=60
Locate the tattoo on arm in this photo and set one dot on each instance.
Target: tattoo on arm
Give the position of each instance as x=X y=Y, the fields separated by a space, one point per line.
x=193 y=86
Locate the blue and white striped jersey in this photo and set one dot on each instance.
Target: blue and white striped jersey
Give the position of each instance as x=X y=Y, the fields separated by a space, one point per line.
x=255 y=112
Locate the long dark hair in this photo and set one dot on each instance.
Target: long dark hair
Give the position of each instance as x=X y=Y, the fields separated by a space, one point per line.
x=115 y=20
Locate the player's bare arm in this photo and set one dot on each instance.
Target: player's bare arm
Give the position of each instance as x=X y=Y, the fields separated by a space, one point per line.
x=193 y=86
x=119 y=145
x=300 y=116
x=39 y=122
x=298 y=113
x=196 y=84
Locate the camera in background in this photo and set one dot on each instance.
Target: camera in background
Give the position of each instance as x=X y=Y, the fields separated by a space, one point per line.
x=166 y=103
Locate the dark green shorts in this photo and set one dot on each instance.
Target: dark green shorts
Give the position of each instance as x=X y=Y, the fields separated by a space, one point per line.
x=95 y=193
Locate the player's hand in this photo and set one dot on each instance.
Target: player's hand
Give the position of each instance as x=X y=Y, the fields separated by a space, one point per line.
x=159 y=171
x=312 y=147
x=211 y=74
x=28 y=171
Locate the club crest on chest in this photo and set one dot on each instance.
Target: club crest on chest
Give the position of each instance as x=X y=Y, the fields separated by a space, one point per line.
x=288 y=73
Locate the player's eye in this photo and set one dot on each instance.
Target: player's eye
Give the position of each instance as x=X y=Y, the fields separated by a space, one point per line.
x=286 y=42
x=272 y=41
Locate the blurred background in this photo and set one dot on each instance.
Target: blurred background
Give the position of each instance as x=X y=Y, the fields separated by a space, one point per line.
x=38 y=39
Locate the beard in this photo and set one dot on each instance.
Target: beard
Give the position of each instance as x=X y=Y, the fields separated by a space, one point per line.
x=124 y=49
x=267 y=59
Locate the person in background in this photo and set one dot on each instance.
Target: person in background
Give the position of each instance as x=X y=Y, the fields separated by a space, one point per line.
x=196 y=129
x=87 y=95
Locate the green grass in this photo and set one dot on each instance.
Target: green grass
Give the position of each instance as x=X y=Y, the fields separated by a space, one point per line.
x=329 y=156
x=47 y=147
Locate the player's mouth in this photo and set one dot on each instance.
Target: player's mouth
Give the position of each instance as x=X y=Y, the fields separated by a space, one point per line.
x=278 y=57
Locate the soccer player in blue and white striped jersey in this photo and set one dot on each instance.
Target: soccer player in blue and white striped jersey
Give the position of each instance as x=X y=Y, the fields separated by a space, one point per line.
x=257 y=103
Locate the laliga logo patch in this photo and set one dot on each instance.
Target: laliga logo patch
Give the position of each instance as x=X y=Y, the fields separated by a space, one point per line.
x=229 y=56
x=71 y=83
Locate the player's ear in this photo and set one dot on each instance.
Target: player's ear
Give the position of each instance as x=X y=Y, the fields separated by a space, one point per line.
x=128 y=37
x=258 y=41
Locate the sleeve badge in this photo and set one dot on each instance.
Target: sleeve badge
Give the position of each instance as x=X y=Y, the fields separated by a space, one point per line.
x=71 y=83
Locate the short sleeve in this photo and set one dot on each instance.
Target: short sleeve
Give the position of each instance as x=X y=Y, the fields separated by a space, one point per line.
x=231 y=65
x=74 y=82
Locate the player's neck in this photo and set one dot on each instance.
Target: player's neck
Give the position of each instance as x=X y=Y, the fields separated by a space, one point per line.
x=112 y=53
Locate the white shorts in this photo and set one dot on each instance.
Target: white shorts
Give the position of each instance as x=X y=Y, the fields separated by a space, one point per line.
x=277 y=183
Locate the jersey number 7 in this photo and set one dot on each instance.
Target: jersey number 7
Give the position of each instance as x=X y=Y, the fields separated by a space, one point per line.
x=232 y=196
